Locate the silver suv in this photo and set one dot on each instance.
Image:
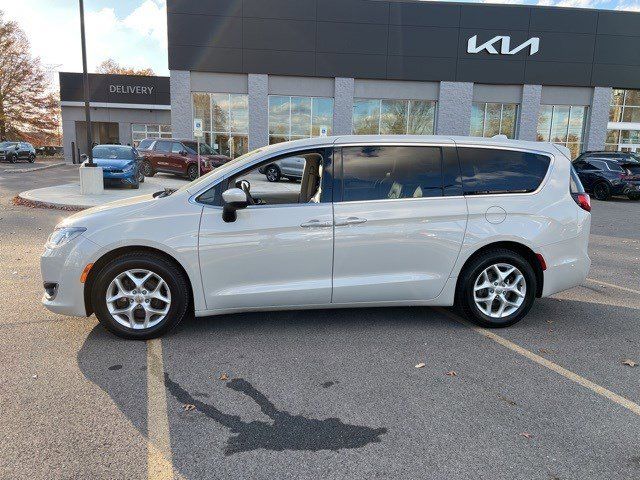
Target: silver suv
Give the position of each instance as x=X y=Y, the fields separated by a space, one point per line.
x=291 y=168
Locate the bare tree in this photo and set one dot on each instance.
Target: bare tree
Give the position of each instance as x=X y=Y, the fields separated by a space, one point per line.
x=29 y=110
x=111 y=66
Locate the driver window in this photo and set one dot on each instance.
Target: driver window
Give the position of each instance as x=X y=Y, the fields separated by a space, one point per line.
x=294 y=178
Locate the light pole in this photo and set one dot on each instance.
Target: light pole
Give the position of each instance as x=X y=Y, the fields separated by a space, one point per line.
x=87 y=110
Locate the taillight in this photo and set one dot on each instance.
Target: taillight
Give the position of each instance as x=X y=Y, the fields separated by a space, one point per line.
x=583 y=201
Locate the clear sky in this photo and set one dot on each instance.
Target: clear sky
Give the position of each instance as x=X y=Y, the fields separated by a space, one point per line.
x=134 y=32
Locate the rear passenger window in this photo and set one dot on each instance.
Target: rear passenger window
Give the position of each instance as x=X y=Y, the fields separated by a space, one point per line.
x=163 y=147
x=486 y=170
x=388 y=172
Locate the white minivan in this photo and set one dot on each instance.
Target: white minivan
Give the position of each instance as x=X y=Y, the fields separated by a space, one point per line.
x=484 y=224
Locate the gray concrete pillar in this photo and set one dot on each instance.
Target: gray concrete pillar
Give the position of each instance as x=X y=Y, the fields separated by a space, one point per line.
x=529 y=112
x=181 y=104
x=596 y=131
x=68 y=138
x=343 y=106
x=258 y=88
x=454 y=108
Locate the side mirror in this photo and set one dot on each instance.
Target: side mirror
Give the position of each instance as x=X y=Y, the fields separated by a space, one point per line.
x=183 y=153
x=234 y=199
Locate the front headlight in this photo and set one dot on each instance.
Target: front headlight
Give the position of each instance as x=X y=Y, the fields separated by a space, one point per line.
x=128 y=167
x=62 y=235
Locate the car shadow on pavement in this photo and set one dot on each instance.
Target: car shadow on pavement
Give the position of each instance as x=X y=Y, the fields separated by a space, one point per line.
x=118 y=367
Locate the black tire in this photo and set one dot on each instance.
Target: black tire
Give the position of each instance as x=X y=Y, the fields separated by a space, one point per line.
x=192 y=172
x=12 y=159
x=466 y=282
x=602 y=191
x=147 y=169
x=273 y=173
x=136 y=186
x=634 y=196
x=32 y=158
x=140 y=176
x=152 y=262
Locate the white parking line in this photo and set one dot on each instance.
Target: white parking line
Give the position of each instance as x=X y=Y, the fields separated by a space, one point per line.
x=624 y=289
x=159 y=462
x=574 y=377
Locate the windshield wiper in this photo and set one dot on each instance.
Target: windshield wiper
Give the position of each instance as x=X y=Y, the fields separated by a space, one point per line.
x=164 y=193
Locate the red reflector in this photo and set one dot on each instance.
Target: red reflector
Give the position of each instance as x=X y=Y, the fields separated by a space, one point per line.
x=543 y=264
x=584 y=201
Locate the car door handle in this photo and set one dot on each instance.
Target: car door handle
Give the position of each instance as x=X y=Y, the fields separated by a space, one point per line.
x=350 y=221
x=316 y=224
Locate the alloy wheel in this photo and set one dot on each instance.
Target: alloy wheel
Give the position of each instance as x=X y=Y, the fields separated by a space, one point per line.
x=500 y=290
x=138 y=299
x=600 y=191
x=146 y=169
x=272 y=174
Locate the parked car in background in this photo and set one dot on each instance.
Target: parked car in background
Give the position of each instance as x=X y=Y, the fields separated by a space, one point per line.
x=290 y=168
x=606 y=177
x=485 y=224
x=49 y=150
x=609 y=155
x=120 y=165
x=14 y=151
x=179 y=157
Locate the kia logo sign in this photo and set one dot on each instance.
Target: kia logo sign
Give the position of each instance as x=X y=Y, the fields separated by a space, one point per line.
x=505 y=45
x=131 y=89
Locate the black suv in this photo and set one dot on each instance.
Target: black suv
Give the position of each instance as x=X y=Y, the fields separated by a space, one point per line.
x=14 y=151
x=608 y=176
x=609 y=155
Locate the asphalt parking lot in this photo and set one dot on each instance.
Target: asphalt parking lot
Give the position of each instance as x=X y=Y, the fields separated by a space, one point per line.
x=323 y=394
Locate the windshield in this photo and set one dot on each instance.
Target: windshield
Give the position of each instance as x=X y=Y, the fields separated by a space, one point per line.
x=220 y=171
x=204 y=148
x=114 y=152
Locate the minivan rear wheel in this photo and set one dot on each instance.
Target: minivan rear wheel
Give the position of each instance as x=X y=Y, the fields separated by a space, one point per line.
x=140 y=295
x=497 y=288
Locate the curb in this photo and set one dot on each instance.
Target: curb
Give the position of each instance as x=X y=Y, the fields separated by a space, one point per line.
x=21 y=201
x=37 y=169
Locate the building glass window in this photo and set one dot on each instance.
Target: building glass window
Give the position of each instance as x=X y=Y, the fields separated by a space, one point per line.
x=489 y=119
x=293 y=118
x=225 y=121
x=400 y=117
x=625 y=113
x=564 y=125
x=140 y=131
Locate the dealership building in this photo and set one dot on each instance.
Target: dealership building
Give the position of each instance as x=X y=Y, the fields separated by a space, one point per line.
x=124 y=109
x=264 y=71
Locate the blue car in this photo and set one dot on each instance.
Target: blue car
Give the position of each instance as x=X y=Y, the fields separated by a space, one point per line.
x=120 y=165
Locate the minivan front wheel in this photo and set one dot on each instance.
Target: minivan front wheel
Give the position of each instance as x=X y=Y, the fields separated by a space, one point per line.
x=497 y=288
x=140 y=295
